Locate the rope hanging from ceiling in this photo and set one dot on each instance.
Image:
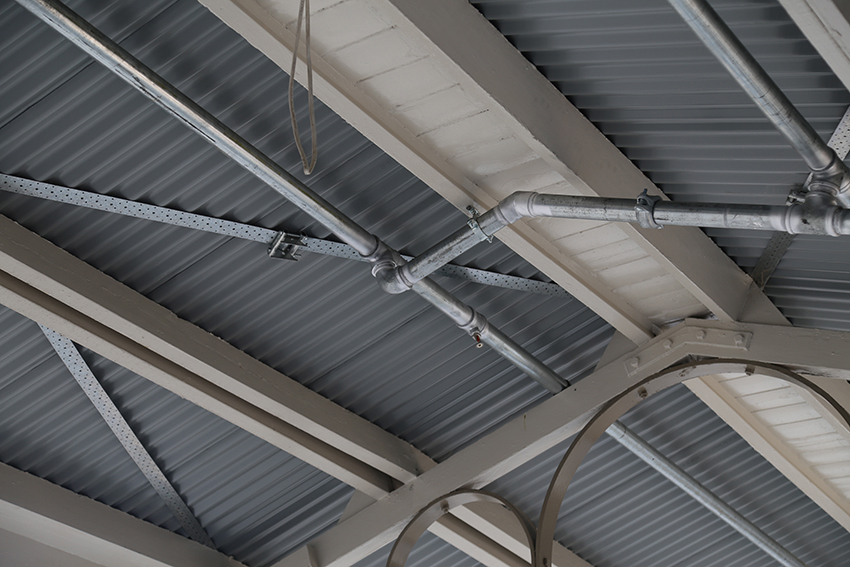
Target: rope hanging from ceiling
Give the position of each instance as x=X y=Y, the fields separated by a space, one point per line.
x=303 y=17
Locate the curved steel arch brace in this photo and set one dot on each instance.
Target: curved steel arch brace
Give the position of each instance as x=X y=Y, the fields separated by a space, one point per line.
x=618 y=406
x=442 y=506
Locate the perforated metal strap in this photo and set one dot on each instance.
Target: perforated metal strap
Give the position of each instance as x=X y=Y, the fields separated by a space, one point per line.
x=59 y=194
x=119 y=426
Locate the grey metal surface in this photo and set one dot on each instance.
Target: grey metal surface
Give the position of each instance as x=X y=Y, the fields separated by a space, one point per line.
x=780 y=242
x=770 y=257
x=59 y=194
x=255 y=501
x=386 y=358
x=675 y=474
x=104 y=405
x=821 y=159
x=141 y=77
x=620 y=511
x=71 y=123
x=648 y=83
x=321 y=320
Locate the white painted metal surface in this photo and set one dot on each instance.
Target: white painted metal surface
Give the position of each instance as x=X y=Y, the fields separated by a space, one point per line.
x=142 y=333
x=78 y=526
x=476 y=129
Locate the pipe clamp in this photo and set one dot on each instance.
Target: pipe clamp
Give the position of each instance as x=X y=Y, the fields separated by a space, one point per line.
x=476 y=228
x=645 y=209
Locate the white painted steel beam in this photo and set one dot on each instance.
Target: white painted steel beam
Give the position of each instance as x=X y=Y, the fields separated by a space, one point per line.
x=392 y=49
x=768 y=443
x=510 y=446
x=59 y=291
x=109 y=318
x=79 y=369
x=51 y=515
x=55 y=289
x=826 y=24
x=564 y=414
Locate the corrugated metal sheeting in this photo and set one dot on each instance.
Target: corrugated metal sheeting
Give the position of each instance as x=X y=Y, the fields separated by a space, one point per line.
x=320 y=320
x=618 y=511
x=94 y=132
x=254 y=501
x=642 y=76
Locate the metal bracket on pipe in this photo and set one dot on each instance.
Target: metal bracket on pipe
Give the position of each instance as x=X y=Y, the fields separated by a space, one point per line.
x=645 y=208
x=476 y=228
x=286 y=246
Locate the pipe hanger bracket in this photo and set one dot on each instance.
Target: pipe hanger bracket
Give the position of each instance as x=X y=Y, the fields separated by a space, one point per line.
x=476 y=228
x=286 y=246
x=645 y=208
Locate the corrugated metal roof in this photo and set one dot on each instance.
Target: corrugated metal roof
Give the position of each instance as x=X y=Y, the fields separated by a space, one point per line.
x=255 y=501
x=618 y=511
x=321 y=320
x=647 y=82
x=95 y=132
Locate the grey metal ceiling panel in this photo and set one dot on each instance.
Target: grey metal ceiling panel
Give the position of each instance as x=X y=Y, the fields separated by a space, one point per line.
x=322 y=321
x=255 y=501
x=49 y=428
x=642 y=76
x=429 y=551
x=618 y=511
x=811 y=285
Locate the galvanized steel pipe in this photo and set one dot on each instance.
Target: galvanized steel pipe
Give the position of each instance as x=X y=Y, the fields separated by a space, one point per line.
x=720 y=40
x=675 y=474
x=817 y=215
x=122 y=63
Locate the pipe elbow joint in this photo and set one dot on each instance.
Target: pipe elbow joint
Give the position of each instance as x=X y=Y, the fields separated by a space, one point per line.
x=516 y=206
x=386 y=268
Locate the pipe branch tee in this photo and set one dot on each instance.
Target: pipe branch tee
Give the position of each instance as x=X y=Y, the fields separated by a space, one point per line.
x=385 y=263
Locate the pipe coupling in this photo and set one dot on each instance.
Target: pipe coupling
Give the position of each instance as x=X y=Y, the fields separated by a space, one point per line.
x=818 y=214
x=477 y=324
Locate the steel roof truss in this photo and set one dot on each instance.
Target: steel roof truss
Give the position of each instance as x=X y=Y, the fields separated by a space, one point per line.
x=110 y=413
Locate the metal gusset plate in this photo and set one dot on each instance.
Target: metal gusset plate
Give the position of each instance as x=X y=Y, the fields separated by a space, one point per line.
x=281 y=245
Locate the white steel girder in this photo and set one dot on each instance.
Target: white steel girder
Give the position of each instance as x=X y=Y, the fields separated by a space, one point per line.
x=54 y=516
x=106 y=316
x=819 y=352
x=417 y=77
x=53 y=288
x=373 y=58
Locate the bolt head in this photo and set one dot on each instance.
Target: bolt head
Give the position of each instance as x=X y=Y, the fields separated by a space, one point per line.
x=635 y=362
x=700 y=334
x=739 y=340
x=668 y=344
